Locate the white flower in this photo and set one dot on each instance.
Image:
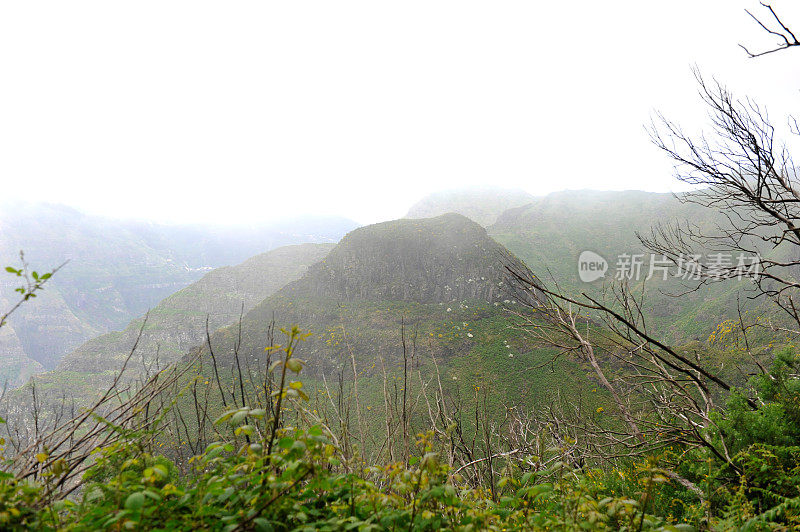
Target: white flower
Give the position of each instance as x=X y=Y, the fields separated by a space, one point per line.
x=511 y=355
x=449 y=309
x=469 y=335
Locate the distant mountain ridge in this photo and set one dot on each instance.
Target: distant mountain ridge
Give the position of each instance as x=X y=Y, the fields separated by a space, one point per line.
x=433 y=291
x=178 y=322
x=481 y=205
x=116 y=270
x=428 y=272
x=550 y=233
x=428 y=266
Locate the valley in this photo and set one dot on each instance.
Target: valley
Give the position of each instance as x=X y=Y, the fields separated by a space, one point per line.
x=419 y=325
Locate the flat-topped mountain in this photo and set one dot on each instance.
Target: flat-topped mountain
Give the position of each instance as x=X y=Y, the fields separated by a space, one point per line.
x=432 y=274
x=431 y=260
x=482 y=205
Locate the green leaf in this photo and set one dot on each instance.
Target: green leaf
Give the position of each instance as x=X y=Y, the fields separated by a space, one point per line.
x=262 y=524
x=152 y=494
x=245 y=429
x=239 y=416
x=225 y=417
x=135 y=501
x=294 y=364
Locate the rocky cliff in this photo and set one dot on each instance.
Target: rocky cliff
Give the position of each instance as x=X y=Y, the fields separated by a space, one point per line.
x=444 y=259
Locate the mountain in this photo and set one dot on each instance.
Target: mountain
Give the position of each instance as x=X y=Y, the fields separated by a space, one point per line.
x=435 y=260
x=481 y=205
x=436 y=284
x=17 y=367
x=178 y=323
x=432 y=261
x=550 y=233
x=115 y=270
x=442 y=281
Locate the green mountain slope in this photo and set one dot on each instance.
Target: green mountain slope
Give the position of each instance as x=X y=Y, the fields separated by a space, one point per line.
x=438 y=284
x=16 y=366
x=427 y=272
x=179 y=322
x=550 y=233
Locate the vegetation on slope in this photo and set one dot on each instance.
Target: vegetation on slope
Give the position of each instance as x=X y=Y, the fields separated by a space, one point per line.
x=550 y=233
x=177 y=323
x=286 y=466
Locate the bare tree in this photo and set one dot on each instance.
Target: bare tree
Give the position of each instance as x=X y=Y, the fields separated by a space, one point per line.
x=749 y=177
x=774 y=26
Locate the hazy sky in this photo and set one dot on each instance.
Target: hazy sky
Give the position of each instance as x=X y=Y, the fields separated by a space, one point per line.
x=243 y=111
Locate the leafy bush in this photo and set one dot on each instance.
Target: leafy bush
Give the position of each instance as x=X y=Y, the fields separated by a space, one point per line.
x=281 y=468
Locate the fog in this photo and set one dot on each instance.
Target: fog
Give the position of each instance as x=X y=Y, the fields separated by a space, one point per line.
x=240 y=113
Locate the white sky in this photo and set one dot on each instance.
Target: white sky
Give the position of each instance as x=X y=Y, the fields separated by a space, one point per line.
x=243 y=111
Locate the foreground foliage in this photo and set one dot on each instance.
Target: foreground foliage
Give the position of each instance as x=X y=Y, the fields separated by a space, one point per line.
x=266 y=474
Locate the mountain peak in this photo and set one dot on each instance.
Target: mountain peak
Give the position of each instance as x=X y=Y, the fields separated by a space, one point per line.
x=430 y=260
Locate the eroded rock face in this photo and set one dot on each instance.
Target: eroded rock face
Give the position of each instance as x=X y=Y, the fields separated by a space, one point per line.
x=434 y=260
